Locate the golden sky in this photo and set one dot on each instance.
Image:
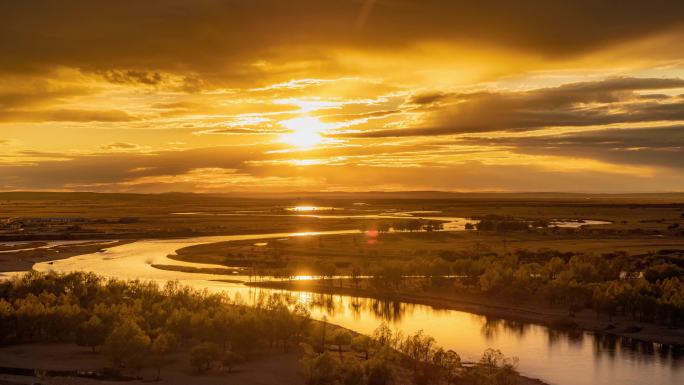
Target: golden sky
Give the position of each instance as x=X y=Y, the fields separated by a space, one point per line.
x=342 y=95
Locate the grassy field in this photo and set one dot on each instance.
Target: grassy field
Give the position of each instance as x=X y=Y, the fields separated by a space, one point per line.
x=136 y=215
x=301 y=253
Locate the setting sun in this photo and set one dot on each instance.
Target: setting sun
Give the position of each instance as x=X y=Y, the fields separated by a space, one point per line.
x=305 y=131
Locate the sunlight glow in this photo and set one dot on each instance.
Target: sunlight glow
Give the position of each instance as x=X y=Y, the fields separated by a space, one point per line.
x=310 y=208
x=306 y=131
x=303 y=277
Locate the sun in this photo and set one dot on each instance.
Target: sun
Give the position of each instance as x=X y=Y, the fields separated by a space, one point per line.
x=305 y=131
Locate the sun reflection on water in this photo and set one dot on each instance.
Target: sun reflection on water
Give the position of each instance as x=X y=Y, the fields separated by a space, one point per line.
x=309 y=208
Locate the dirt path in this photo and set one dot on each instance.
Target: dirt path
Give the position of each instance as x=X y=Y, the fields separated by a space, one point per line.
x=268 y=369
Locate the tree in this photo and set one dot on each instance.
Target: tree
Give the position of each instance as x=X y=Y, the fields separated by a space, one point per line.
x=91 y=333
x=179 y=323
x=319 y=335
x=245 y=332
x=202 y=327
x=494 y=369
x=302 y=315
x=378 y=372
x=128 y=344
x=231 y=360
x=222 y=325
x=384 y=227
x=202 y=356
x=414 y=225
x=451 y=364
x=362 y=344
x=327 y=269
x=553 y=267
x=351 y=373
x=161 y=346
x=320 y=369
x=419 y=346
x=5 y=320
x=383 y=335
x=341 y=337
x=29 y=313
x=63 y=317
x=431 y=226
x=356 y=275
x=603 y=301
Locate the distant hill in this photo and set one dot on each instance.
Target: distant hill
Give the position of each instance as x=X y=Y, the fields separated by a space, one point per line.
x=671 y=197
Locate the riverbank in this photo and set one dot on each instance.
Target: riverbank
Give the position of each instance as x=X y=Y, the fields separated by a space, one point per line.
x=551 y=317
x=22 y=258
x=266 y=368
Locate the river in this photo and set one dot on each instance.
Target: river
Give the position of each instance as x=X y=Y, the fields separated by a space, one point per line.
x=555 y=357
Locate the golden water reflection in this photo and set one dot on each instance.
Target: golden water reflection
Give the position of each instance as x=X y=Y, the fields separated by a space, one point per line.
x=559 y=357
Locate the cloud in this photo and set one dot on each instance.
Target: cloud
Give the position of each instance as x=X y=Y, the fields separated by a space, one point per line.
x=133 y=77
x=29 y=99
x=119 y=167
x=122 y=146
x=152 y=79
x=241 y=131
x=65 y=115
x=219 y=38
x=476 y=176
x=609 y=101
x=650 y=146
x=431 y=94
x=38 y=95
x=251 y=168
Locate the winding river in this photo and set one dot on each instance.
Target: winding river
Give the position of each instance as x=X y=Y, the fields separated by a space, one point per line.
x=555 y=357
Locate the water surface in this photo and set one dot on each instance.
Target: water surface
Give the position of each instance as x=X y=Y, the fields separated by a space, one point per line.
x=556 y=357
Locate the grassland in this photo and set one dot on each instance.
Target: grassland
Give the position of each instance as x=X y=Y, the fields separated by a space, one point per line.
x=301 y=255
x=137 y=216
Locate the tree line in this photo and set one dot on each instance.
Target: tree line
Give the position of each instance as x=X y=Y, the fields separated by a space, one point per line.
x=409 y=225
x=137 y=324
x=647 y=287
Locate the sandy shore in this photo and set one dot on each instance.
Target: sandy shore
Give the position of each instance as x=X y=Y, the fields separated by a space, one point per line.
x=532 y=313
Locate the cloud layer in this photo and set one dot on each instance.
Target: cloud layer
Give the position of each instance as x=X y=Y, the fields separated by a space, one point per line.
x=225 y=95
